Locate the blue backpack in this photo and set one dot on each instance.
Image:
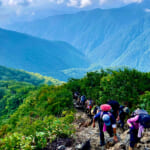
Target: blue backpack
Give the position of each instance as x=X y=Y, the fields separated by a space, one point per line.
x=83 y=98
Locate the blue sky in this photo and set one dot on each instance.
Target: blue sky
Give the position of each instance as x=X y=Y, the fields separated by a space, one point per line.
x=35 y=9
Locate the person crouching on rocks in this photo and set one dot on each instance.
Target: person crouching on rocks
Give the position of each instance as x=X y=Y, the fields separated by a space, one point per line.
x=106 y=122
x=139 y=120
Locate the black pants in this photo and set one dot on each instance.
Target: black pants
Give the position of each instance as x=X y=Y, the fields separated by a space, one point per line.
x=134 y=137
x=121 y=121
x=109 y=130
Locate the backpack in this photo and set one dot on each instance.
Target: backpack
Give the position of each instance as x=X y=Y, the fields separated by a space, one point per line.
x=126 y=110
x=140 y=112
x=105 y=107
x=123 y=110
x=144 y=120
x=102 y=113
x=144 y=117
x=114 y=104
x=83 y=98
x=90 y=102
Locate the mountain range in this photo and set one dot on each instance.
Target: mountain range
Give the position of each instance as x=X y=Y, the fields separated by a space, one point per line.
x=110 y=37
x=101 y=38
x=37 y=55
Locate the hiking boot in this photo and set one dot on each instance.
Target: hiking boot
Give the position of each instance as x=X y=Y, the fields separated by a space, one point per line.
x=102 y=144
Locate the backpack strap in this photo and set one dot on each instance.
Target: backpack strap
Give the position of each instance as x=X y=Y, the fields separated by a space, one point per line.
x=101 y=115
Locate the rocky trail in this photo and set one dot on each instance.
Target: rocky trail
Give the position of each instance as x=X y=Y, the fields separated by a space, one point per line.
x=85 y=132
x=87 y=137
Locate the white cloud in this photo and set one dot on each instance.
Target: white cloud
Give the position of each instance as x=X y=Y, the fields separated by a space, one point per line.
x=72 y=3
x=16 y=2
x=60 y=1
x=33 y=13
x=147 y=10
x=132 y=1
x=84 y=3
x=79 y=3
x=101 y=2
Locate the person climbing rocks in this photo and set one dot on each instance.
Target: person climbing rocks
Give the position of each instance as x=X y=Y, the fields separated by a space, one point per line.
x=82 y=100
x=95 y=110
x=89 y=105
x=106 y=122
x=76 y=95
x=123 y=112
x=115 y=108
x=138 y=121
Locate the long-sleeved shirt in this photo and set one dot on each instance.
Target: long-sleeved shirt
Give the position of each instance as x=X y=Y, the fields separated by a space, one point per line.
x=136 y=124
x=134 y=121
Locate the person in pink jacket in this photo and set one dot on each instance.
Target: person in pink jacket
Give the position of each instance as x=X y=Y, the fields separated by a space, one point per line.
x=135 y=131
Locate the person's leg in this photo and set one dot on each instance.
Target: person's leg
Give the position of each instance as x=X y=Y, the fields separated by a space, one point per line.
x=110 y=130
x=122 y=124
x=137 y=138
x=102 y=140
x=133 y=138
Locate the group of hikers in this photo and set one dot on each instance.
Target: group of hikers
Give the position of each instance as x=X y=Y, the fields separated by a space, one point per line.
x=111 y=114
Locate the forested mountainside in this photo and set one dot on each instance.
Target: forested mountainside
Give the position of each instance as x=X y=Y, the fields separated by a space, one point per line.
x=32 y=54
x=32 y=117
x=9 y=74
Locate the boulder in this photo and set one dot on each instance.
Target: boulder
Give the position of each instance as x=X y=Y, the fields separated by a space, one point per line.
x=61 y=147
x=145 y=139
x=120 y=146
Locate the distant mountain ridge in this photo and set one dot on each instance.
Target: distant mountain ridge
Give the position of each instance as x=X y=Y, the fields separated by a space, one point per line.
x=107 y=37
x=9 y=74
x=37 y=55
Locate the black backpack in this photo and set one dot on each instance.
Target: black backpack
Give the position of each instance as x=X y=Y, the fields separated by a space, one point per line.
x=144 y=117
x=114 y=105
x=144 y=120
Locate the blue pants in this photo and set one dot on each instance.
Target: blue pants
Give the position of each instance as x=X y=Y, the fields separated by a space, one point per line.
x=133 y=137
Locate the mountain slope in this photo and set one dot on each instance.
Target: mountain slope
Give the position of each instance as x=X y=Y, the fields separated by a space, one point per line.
x=85 y=30
x=37 y=55
x=9 y=74
x=104 y=36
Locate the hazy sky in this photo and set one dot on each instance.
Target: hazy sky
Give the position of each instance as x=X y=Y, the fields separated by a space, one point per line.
x=10 y=9
x=23 y=4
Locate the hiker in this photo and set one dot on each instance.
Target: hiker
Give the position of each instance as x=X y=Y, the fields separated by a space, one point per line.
x=106 y=122
x=76 y=95
x=95 y=110
x=123 y=112
x=82 y=100
x=89 y=105
x=138 y=121
x=115 y=108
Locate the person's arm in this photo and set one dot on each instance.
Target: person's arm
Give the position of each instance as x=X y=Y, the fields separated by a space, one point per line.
x=93 y=123
x=95 y=117
x=118 y=117
x=132 y=120
x=114 y=128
